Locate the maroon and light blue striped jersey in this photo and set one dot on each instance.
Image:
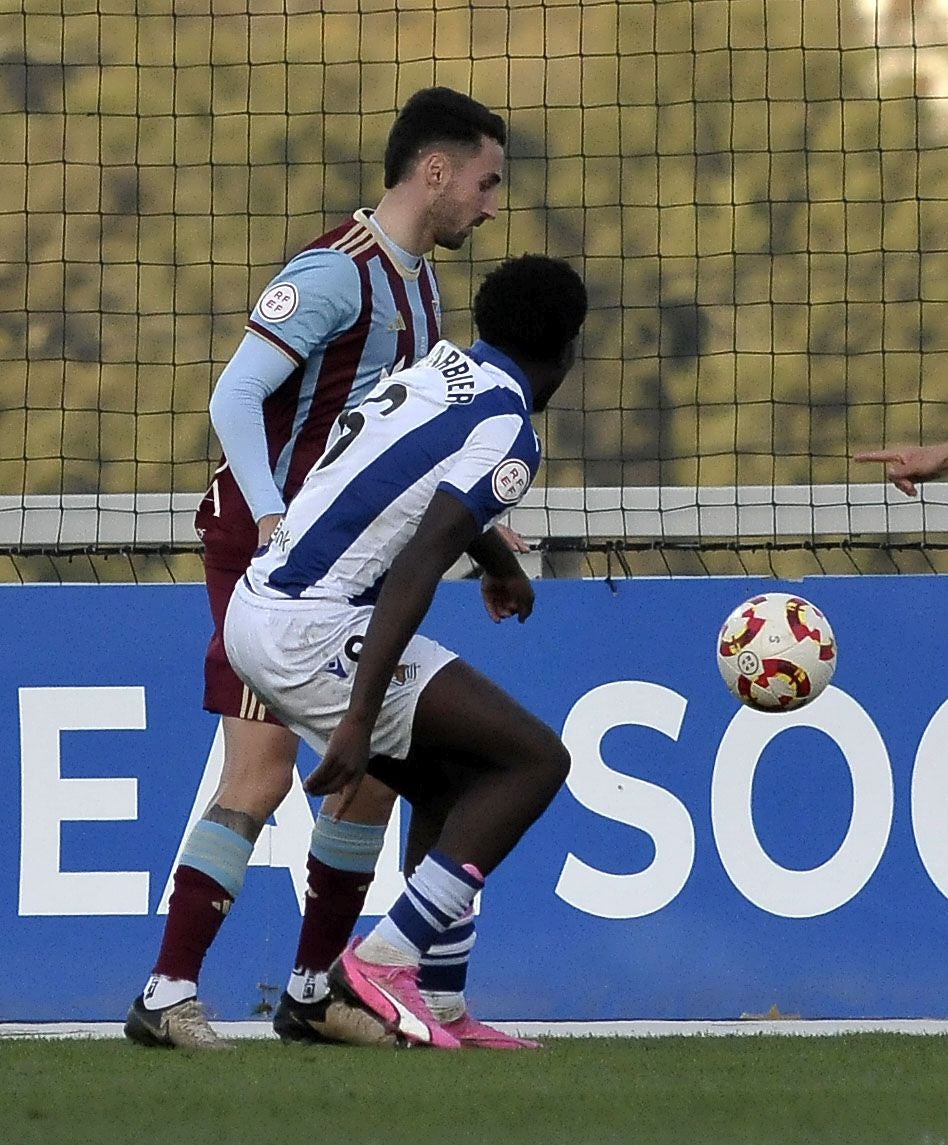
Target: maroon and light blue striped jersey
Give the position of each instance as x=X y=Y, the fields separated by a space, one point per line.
x=346 y=311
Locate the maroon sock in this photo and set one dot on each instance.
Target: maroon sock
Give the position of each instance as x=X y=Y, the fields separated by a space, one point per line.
x=195 y=913
x=334 y=901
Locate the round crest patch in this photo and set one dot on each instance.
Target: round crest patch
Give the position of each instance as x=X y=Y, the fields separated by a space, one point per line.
x=278 y=302
x=510 y=480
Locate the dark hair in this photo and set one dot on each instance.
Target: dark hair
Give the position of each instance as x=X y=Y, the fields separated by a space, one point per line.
x=532 y=306
x=437 y=115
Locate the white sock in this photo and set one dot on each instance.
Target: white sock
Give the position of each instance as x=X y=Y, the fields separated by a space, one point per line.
x=307 y=985
x=375 y=949
x=161 y=991
x=446 y=1005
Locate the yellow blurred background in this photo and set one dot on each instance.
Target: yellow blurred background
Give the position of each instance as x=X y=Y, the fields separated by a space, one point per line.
x=755 y=191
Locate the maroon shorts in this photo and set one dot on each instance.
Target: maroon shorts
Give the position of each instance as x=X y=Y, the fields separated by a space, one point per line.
x=229 y=532
x=224 y=692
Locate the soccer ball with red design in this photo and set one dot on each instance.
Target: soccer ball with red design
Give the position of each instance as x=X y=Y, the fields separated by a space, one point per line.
x=776 y=652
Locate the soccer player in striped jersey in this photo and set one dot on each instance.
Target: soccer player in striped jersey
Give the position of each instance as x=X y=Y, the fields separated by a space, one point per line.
x=359 y=303
x=323 y=625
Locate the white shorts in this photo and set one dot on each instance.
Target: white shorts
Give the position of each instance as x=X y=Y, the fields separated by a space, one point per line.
x=299 y=657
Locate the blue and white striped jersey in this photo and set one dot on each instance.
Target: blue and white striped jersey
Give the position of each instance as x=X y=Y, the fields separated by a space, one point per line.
x=458 y=421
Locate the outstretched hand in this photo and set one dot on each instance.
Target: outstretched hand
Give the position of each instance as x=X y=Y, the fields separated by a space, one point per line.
x=507 y=596
x=910 y=463
x=343 y=765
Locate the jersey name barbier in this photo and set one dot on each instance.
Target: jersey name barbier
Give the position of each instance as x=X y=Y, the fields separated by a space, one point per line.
x=457 y=421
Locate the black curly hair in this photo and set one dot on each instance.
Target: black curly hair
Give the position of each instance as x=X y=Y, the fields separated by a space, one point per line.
x=437 y=115
x=531 y=306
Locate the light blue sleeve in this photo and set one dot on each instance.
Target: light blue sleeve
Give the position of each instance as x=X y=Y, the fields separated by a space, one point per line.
x=256 y=370
x=315 y=298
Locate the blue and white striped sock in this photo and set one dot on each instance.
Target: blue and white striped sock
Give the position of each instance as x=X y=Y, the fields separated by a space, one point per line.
x=439 y=893
x=444 y=966
x=443 y=973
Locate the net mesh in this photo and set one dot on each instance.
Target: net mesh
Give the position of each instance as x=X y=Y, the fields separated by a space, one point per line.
x=754 y=191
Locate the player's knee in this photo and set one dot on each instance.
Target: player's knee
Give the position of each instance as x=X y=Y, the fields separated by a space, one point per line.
x=552 y=760
x=561 y=763
x=558 y=764
x=373 y=803
x=281 y=782
x=259 y=789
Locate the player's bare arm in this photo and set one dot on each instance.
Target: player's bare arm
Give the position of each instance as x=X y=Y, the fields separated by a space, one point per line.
x=907 y=464
x=505 y=588
x=512 y=538
x=444 y=534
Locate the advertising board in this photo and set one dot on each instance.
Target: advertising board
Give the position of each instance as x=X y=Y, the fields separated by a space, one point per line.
x=703 y=861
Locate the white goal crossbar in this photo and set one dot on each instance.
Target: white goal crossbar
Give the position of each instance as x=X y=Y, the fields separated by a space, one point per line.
x=674 y=513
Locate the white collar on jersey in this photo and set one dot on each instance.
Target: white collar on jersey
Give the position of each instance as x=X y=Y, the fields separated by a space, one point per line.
x=407 y=264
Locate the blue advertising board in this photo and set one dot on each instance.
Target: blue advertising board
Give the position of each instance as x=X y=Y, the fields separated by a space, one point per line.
x=704 y=860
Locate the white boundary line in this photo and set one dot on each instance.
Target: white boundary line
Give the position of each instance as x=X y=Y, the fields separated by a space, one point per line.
x=637 y=1029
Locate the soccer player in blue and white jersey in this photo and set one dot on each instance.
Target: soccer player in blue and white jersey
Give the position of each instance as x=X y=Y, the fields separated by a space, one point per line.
x=358 y=303
x=323 y=626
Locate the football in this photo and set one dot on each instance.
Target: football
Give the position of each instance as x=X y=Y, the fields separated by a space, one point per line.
x=776 y=652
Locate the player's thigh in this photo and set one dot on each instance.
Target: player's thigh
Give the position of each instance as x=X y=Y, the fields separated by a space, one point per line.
x=462 y=711
x=251 y=745
x=259 y=759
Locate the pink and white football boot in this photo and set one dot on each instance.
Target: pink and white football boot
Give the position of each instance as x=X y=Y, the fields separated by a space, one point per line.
x=391 y=994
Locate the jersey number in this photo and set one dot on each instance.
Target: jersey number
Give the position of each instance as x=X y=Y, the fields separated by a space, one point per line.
x=352 y=421
x=214 y=489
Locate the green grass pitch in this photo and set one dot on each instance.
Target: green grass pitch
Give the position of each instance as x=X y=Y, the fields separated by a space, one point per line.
x=859 y=1089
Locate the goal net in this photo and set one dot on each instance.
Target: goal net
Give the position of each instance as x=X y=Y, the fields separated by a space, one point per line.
x=754 y=191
